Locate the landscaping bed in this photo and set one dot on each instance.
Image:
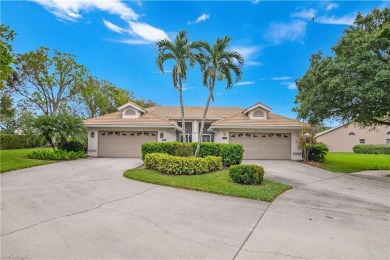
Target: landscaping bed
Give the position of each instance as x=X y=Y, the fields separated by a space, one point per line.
x=216 y=182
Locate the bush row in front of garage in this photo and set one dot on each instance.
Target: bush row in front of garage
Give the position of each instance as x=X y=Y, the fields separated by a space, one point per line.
x=182 y=165
x=231 y=154
x=372 y=149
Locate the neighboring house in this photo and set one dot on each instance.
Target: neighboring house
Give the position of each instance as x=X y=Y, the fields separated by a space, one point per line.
x=263 y=134
x=346 y=136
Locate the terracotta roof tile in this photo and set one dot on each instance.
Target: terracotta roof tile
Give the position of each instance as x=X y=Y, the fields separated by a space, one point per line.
x=147 y=119
x=174 y=112
x=239 y=119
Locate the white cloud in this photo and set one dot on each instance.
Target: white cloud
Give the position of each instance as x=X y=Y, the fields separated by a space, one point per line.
x=203 y=17
x=331 y=6
x=343 y=20
x=244 y=83
x=250 y=53
x=148 y=32
x=132 y=41
x=113 y=27
x=281 y=78
x=305 y=14
x=255 y=2
x=70 y=10
x=280 y=32
x=290 y=85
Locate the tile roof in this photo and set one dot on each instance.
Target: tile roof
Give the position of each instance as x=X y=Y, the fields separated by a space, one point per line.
x=147 y=119
x=160 y=116
x=240 y=119
x=174 y=112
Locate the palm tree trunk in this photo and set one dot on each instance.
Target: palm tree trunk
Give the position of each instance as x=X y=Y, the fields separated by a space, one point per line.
x=200 y=138
x=183 y=123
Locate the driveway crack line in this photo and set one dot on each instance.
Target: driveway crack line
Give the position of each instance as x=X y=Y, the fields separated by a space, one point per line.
x=330 y=210
x=278 y=253
x=80 y=212
x=250 y=233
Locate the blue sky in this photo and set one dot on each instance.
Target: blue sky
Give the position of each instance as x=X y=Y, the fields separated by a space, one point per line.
x=116 y=39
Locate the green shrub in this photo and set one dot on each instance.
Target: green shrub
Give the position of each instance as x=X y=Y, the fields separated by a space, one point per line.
x=372 y=149
x=73 y=146
x=55 y=155
x=184 y=150
x=317 y=151
x=12 y=141
x=246 y=174
x=182 y=165
x=231 y=153
x=156 y=147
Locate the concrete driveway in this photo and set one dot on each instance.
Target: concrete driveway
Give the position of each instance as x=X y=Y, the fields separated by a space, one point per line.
x=87 y=209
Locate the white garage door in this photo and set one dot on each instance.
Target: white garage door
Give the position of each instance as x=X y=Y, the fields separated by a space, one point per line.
x=123 y=144
x=263 y=145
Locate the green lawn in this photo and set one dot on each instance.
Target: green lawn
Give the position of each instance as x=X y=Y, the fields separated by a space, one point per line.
x=217 y=182
x=352 y=162
x=17 y=159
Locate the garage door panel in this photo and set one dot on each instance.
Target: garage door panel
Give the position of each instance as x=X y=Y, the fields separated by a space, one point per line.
x=123 y=143
x=263 y=145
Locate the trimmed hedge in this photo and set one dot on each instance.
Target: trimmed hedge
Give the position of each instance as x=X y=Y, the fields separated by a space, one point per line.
x=182 y=165
x=56 y=155
x=231 y=154
x=73 y=146
x=372 y=149
x=12 y=141
x=317 y=152
x=246 y=174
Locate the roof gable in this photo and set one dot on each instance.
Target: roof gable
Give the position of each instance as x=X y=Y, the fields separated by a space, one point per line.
x=132 y=105
x=257 y=105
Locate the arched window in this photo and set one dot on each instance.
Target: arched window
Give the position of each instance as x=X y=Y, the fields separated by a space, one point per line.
x=258 y=113
x=388 y=133
x=130 y=112
x=351 y=133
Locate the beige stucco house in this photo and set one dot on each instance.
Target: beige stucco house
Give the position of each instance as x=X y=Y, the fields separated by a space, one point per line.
x=263 y=134
x=346 y=136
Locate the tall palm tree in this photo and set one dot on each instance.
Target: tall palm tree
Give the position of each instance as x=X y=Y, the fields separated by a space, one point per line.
x=217 y=63
x=180 y=51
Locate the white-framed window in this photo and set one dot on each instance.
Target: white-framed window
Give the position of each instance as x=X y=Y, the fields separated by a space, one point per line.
x=206 y=138
x=351 y=133
x=387 y=141
x=362 y=141
x=188 y=138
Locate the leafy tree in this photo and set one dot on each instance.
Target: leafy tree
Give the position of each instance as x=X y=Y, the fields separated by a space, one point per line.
x=91 y=96
x=145 y=103
x=47 y=82
x=7 y=111
x=114 y=97
x=6 y=54
x=180 y=51
x=354 y=84
x=217 y=64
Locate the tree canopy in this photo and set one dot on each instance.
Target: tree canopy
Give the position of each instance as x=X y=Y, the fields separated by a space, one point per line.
x=354 y=83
